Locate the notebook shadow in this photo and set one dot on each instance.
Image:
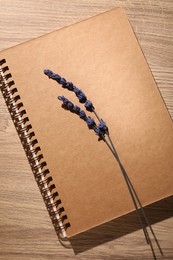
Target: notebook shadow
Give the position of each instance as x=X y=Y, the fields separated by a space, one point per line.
x=121 y=226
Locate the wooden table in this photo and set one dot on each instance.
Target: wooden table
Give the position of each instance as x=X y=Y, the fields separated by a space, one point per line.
x=26 y=231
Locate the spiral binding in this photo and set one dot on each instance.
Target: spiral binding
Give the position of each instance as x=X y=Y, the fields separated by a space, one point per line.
x=33 y=151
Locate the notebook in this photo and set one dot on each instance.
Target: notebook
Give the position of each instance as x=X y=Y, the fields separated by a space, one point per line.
x=81 y=183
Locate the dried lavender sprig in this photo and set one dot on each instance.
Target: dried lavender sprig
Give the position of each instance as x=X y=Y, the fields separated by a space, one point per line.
x=100 y=130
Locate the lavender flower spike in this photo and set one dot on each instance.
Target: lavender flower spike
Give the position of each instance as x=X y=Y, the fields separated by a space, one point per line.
x=68 y=85
x=73 y=108
x=89 y=121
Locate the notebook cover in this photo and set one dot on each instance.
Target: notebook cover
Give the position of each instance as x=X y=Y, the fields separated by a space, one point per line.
x=102 y=57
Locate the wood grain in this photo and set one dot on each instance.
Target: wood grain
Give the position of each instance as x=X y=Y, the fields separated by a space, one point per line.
x=26 y=231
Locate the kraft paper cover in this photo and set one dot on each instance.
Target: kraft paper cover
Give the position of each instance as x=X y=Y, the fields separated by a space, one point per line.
x=102 y=57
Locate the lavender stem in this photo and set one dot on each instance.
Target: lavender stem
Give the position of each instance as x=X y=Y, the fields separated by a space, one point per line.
x=129 y=184
x=146 y=219
x=134 y=201
x=137 y=210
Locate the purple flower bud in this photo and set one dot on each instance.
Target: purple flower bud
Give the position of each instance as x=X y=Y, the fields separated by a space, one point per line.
x=52 y=75
x=63 y=99
x=76 y=109
x=82 y=114
x=62 y=81
x=89 y=106
x=97 y=131
x=48 y=73
x=81 y=96
x=103 y=127
x=76 y=90
x=90 y=122
x=69 y=86
x=70 y=105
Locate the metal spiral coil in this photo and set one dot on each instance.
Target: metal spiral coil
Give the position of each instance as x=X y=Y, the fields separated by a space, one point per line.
x=64 y=217
x=50 y=188
x=4 y=69
x=46 y=181
x=32 y=149
x=59 y=211
x=19 y=114
x=42 y=174
x=21 y=121
x=50 y=196
x=54 y=204
x=63 y=227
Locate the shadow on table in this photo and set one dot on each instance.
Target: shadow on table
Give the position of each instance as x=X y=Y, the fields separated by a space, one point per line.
x=121 y=226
